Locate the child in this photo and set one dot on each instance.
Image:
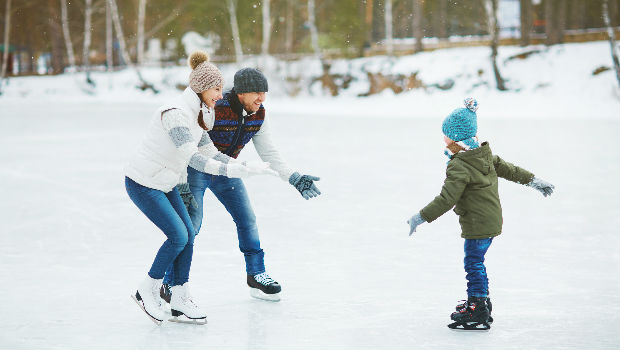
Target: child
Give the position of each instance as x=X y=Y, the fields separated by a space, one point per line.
x=471 y=188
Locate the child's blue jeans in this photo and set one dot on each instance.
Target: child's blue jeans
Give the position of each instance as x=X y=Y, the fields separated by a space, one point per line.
x=477 y=281
x=166 y=211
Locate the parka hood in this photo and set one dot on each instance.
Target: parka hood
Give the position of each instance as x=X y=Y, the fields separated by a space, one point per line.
x=480 y=158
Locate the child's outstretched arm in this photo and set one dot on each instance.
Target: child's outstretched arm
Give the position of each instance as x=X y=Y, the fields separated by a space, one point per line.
x=516 y=174
x=457 y=179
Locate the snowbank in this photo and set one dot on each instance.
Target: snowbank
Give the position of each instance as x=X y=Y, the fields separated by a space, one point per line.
x=553 y=82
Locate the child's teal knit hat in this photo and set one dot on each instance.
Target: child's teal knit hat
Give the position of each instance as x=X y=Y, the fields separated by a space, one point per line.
x=461 y=124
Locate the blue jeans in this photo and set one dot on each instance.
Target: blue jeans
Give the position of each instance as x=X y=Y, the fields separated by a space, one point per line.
x=232 y=194
x=477 y=281
x=168 y=213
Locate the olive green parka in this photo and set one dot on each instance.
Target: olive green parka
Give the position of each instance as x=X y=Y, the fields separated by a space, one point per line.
x=471 y=188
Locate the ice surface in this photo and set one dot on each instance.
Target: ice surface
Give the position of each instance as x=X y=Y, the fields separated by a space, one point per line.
x=74 y=247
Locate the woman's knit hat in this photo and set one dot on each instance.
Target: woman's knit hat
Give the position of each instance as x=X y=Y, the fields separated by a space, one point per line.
x=205 y=74
x=461 y=124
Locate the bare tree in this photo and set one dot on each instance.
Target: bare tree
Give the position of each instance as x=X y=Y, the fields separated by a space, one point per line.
x=527 y=21
x=368 y=20
x=123 y=47
x=5 y=53
x=232 y=11
x=314 y=34
x=109 y=58
x=140 y=35
x=389 y=35
x=418 y=30
x=493 y=27
x=88 y=10
x=441 y=19
x=66 y=32
x=266 y=27
x=555 y=21
x=290 y=18
x=612 y=39
x=55 y=31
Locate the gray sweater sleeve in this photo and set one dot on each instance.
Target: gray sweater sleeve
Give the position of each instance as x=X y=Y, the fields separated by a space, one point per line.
x=177 y=127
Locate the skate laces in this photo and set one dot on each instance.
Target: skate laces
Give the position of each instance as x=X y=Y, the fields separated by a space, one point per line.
x=264 y=279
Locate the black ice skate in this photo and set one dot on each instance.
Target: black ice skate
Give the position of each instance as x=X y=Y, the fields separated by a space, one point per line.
x=463 y=305
x=473 y=317
x=164 y=293
x=264 y=287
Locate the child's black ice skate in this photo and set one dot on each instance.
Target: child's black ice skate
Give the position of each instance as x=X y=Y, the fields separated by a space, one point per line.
x=473 y=317
x=264 y=287
x=463 y=305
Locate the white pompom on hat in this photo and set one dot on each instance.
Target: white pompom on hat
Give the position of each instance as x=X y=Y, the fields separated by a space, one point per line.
x=205 y=74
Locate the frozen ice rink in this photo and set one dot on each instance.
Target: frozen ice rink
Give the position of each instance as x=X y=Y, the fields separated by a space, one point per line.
x=74 y=247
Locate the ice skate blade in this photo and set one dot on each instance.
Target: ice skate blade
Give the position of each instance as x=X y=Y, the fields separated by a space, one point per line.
x=157 y=322
x=469 y=326
x=184 y=319
x=259 y=294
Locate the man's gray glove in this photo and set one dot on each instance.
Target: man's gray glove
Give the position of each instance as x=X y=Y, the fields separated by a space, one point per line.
x=542 y=186
x=187 y=196
x=414 y=222
x=305 y=184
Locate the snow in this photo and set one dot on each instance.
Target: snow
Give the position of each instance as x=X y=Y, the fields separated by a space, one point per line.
x=74 y=247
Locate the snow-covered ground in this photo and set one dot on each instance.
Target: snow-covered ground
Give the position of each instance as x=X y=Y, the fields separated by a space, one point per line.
x=74 y=247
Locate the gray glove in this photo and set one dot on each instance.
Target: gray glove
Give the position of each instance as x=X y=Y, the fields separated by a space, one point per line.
x=542 y=186
x=305 y=185
x=414 y=222
x=187 y=196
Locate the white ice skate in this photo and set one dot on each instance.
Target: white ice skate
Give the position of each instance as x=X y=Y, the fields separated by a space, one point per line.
x=183 y=308
x=147 y=297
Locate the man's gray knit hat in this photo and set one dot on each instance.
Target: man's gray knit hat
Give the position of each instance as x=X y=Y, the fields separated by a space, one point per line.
x=205 y=74
x=250 y=80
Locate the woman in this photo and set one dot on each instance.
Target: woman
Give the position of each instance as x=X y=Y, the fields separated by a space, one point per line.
x=177 y=138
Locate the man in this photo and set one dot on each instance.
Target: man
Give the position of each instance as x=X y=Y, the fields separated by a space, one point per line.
x=240 y=117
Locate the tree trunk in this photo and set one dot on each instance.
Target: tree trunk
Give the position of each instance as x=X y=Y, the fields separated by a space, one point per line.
x=418 y=29
x=56 y=37
x=555 y=21
x=527 y=21
x=493 y=27
x=441 y=19
x=232 y=11
x=109 y=38
x=314 y=35
x=121 y=42
x=88 y=10
x=7 y=27
x=140 y=35
x=67 y=33
x=389 y=35
x=612 y=40
x=290 y=17
x=368 y=21
x=266 y=27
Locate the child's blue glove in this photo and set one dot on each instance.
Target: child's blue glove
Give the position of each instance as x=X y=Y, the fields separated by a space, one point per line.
x=187 y=196
x=414 y=222
x=305 y=184
x=542 y=186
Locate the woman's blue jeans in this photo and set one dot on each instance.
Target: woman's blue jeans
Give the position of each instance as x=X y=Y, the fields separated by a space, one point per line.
x=168 y=213
x=477 y=281
x=232 y=194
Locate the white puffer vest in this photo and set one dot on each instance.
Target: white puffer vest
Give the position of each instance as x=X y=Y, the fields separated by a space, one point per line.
x=158 y=163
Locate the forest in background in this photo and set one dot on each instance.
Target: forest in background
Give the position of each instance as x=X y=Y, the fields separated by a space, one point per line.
x=348 y=28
